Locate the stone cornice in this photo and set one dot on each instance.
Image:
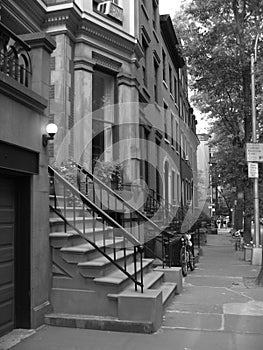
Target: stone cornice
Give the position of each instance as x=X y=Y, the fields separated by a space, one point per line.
x=22 y=94
x=77 y=23
x=106 y=62
x=68 y=17
x=40 y=39
x=109 y=38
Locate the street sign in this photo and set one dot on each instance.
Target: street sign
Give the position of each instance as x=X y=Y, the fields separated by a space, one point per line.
x=254 y=152
x=253 y=170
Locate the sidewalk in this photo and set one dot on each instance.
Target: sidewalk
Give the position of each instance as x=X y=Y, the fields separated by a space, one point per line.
x=219 y=309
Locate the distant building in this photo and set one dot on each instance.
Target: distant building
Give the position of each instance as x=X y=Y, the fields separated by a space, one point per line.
x=204 y=177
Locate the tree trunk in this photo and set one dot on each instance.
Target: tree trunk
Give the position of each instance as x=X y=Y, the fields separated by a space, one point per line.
x=247 y=229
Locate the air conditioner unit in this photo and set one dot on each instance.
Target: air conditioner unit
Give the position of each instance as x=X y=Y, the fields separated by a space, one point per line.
x=111 y=9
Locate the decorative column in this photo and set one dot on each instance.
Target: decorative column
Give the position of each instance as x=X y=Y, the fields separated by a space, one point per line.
x=129 y=135
x=83 y=69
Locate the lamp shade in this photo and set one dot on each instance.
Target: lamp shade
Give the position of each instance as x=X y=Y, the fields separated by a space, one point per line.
x=51 y=129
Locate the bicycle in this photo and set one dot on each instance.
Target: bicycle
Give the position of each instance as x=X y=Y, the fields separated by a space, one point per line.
x=239 y=241
x=187 y=259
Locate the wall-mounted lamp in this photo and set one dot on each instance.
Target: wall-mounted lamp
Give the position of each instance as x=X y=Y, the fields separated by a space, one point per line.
x=51 y=130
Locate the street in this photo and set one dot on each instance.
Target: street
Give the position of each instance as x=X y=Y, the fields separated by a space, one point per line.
x=219 y=309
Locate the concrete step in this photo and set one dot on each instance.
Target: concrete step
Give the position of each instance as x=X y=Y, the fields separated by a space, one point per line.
x=168 y=292
x=57 y=224
x=104 y=323
x=154 y=280
x=117 y=281
x=71 y=238
x=102 y=266
x=86 y=252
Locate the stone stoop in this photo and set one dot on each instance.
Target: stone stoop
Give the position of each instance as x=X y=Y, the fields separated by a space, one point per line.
x=88 y=291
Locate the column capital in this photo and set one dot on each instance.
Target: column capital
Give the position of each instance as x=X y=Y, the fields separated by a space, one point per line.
x=127 y=79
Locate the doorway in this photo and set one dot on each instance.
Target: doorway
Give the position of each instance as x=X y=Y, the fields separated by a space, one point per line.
x=14 y=252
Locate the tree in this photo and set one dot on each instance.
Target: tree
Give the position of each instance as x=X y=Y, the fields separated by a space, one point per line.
x=218 y=38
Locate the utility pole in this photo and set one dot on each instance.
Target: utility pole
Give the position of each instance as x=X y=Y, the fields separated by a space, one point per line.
x=254 y=140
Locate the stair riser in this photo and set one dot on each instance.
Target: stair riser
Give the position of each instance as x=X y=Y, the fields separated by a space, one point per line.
x=83 y=302
x=58 y=226
x=60 y=242
x=69 y=212
x=60 y=202
x=157 y=283
x=98 y=236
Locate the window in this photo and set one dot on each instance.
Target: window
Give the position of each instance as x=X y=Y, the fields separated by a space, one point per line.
x=170 y=79
x=144 y=64
x=181 y=107
x=172 y=129
x=156 y=80
x=178 y=188
x=164 y=65
x=165 y=121
x=177 y=136
x=175 y=90
x=157 y=174
x=173 y=187
x=155 y=12
x=103 y=92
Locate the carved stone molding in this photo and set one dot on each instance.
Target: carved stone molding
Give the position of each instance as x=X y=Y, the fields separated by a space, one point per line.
x=106 y=62
x=105 y=36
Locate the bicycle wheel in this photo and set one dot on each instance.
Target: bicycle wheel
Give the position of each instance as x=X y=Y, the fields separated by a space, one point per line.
x=183 y=261
x=191 y=261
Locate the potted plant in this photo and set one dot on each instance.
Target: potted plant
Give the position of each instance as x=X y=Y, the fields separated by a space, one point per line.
x=110 y=173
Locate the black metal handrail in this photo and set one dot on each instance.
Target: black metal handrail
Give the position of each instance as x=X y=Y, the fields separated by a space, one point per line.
x=73 y=198
x=157 y=203
x=125 y=205
x=166 y=207
x=128 y=214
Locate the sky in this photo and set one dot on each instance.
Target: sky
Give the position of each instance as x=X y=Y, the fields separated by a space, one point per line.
x=169 y=6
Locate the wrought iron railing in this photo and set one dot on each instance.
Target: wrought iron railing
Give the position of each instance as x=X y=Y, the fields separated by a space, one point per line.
x=67 y=198
x=116 y=205
x=14 y=58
